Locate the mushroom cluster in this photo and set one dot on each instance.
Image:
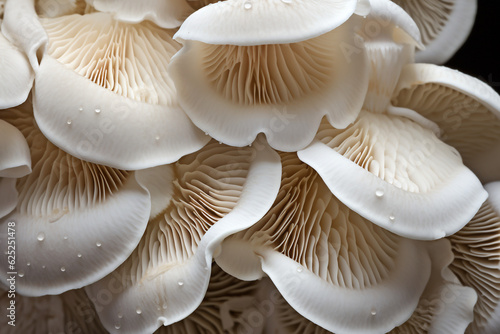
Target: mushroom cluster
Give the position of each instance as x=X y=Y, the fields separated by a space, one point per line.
x=246 y=166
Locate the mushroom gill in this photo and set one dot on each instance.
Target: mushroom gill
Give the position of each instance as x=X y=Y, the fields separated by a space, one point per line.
x=332 y=265
x=128 y=59
x=444 y=26
x=75 y=221
x=477 y=264
x=270 y=73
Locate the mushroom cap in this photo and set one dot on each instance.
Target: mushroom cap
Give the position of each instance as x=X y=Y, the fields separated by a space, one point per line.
x=17 y=75
x=23 y=29
x=75 y=221
x=466 y=110
x=15 y=161
x=444 y=25
x=247 y=22
x=165 y=13
x=282 y=90
x=397 y=174
x=51 y=8
x=332 y=266
x=121 y=109
x=207 y=196
x=477 y=263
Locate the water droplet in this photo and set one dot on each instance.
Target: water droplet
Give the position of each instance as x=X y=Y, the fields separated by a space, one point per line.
x=65 y=237
x=157 y=137
x=373 y=312
x=20 y=274
x=117 y=326
x=28 y=264
x=79 y=255
x=120 y=315
x=181 y=283
x=80 y=109
x=247 y=5
x=98 y=244
x=206 y=268
x=379 y=193
x=40 y=236
x=392 y=219
x=299 y=269
x=164 y=306
x=206 y=133
x=97 y=110
x=43 y=267
x=138 y=311
x=63 y=269
x=68 y=122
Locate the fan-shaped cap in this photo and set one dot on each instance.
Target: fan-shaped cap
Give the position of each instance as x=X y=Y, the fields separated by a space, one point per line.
x=121 y=107
x=75 y=221
x=15 y=161
x=444 y=25
x=282 y=90
x=70 y=312
x=444 y=307
x=165 y=13
x=209 y=195
x=23 y=29
x=397 y=174
x=477 y=263
x=17 y=75
x=466 y=110
x=333 y=267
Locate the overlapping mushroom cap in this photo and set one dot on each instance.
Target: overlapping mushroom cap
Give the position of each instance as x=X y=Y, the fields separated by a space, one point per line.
x=121 y=109
x=254 y=71
x=75 y=221
x=413 y=183
x=203 y=198
x=333 y=266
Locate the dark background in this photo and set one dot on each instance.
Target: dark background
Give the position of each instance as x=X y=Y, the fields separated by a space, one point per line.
x=480 y=55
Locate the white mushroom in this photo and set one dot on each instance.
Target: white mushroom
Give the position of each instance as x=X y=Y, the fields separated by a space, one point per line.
x=71 y=312
x=397 y=174
x=205 y=197
x=17 y=75
x=75 y=221
x=165 y=13
x=444 y=25
x=477 y=263
x=121 y=103
x=466 y=110
x=15 y=162
x=254 y=71
x=333 y=267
